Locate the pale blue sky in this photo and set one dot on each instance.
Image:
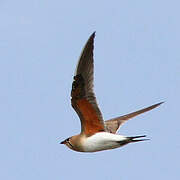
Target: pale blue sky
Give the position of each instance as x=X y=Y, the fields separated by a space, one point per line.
x=137 y=64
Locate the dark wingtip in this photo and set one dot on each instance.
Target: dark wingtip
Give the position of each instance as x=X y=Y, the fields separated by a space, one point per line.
x=93 y=35
x=91 y=39
x=158 y=104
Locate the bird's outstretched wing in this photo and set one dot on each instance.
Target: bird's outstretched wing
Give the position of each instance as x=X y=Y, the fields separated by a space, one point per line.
x=83 y=99
x=113 y=125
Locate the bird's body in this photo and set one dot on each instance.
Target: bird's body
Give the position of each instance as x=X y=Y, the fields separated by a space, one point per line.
x=96 y=134
x=102 y=141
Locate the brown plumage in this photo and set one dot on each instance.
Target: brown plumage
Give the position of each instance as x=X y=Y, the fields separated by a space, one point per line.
x=83 y=98
x=96 y=135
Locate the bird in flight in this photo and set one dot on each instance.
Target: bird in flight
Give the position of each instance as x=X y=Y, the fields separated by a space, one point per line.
x=96 y=134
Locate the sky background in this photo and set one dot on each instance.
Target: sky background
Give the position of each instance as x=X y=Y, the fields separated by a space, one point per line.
x=137 y=64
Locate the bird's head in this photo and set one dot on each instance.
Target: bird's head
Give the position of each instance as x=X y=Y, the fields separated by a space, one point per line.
x=74 y=142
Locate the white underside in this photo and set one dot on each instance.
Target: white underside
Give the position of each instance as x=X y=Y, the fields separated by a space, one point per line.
x=102 y=141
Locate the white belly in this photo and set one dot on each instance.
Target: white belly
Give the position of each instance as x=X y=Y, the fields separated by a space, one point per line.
x=102 y=141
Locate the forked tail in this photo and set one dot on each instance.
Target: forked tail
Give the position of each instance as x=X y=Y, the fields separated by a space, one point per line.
x=134 y=138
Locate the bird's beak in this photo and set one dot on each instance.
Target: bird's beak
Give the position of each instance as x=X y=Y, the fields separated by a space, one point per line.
x=63 y=142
